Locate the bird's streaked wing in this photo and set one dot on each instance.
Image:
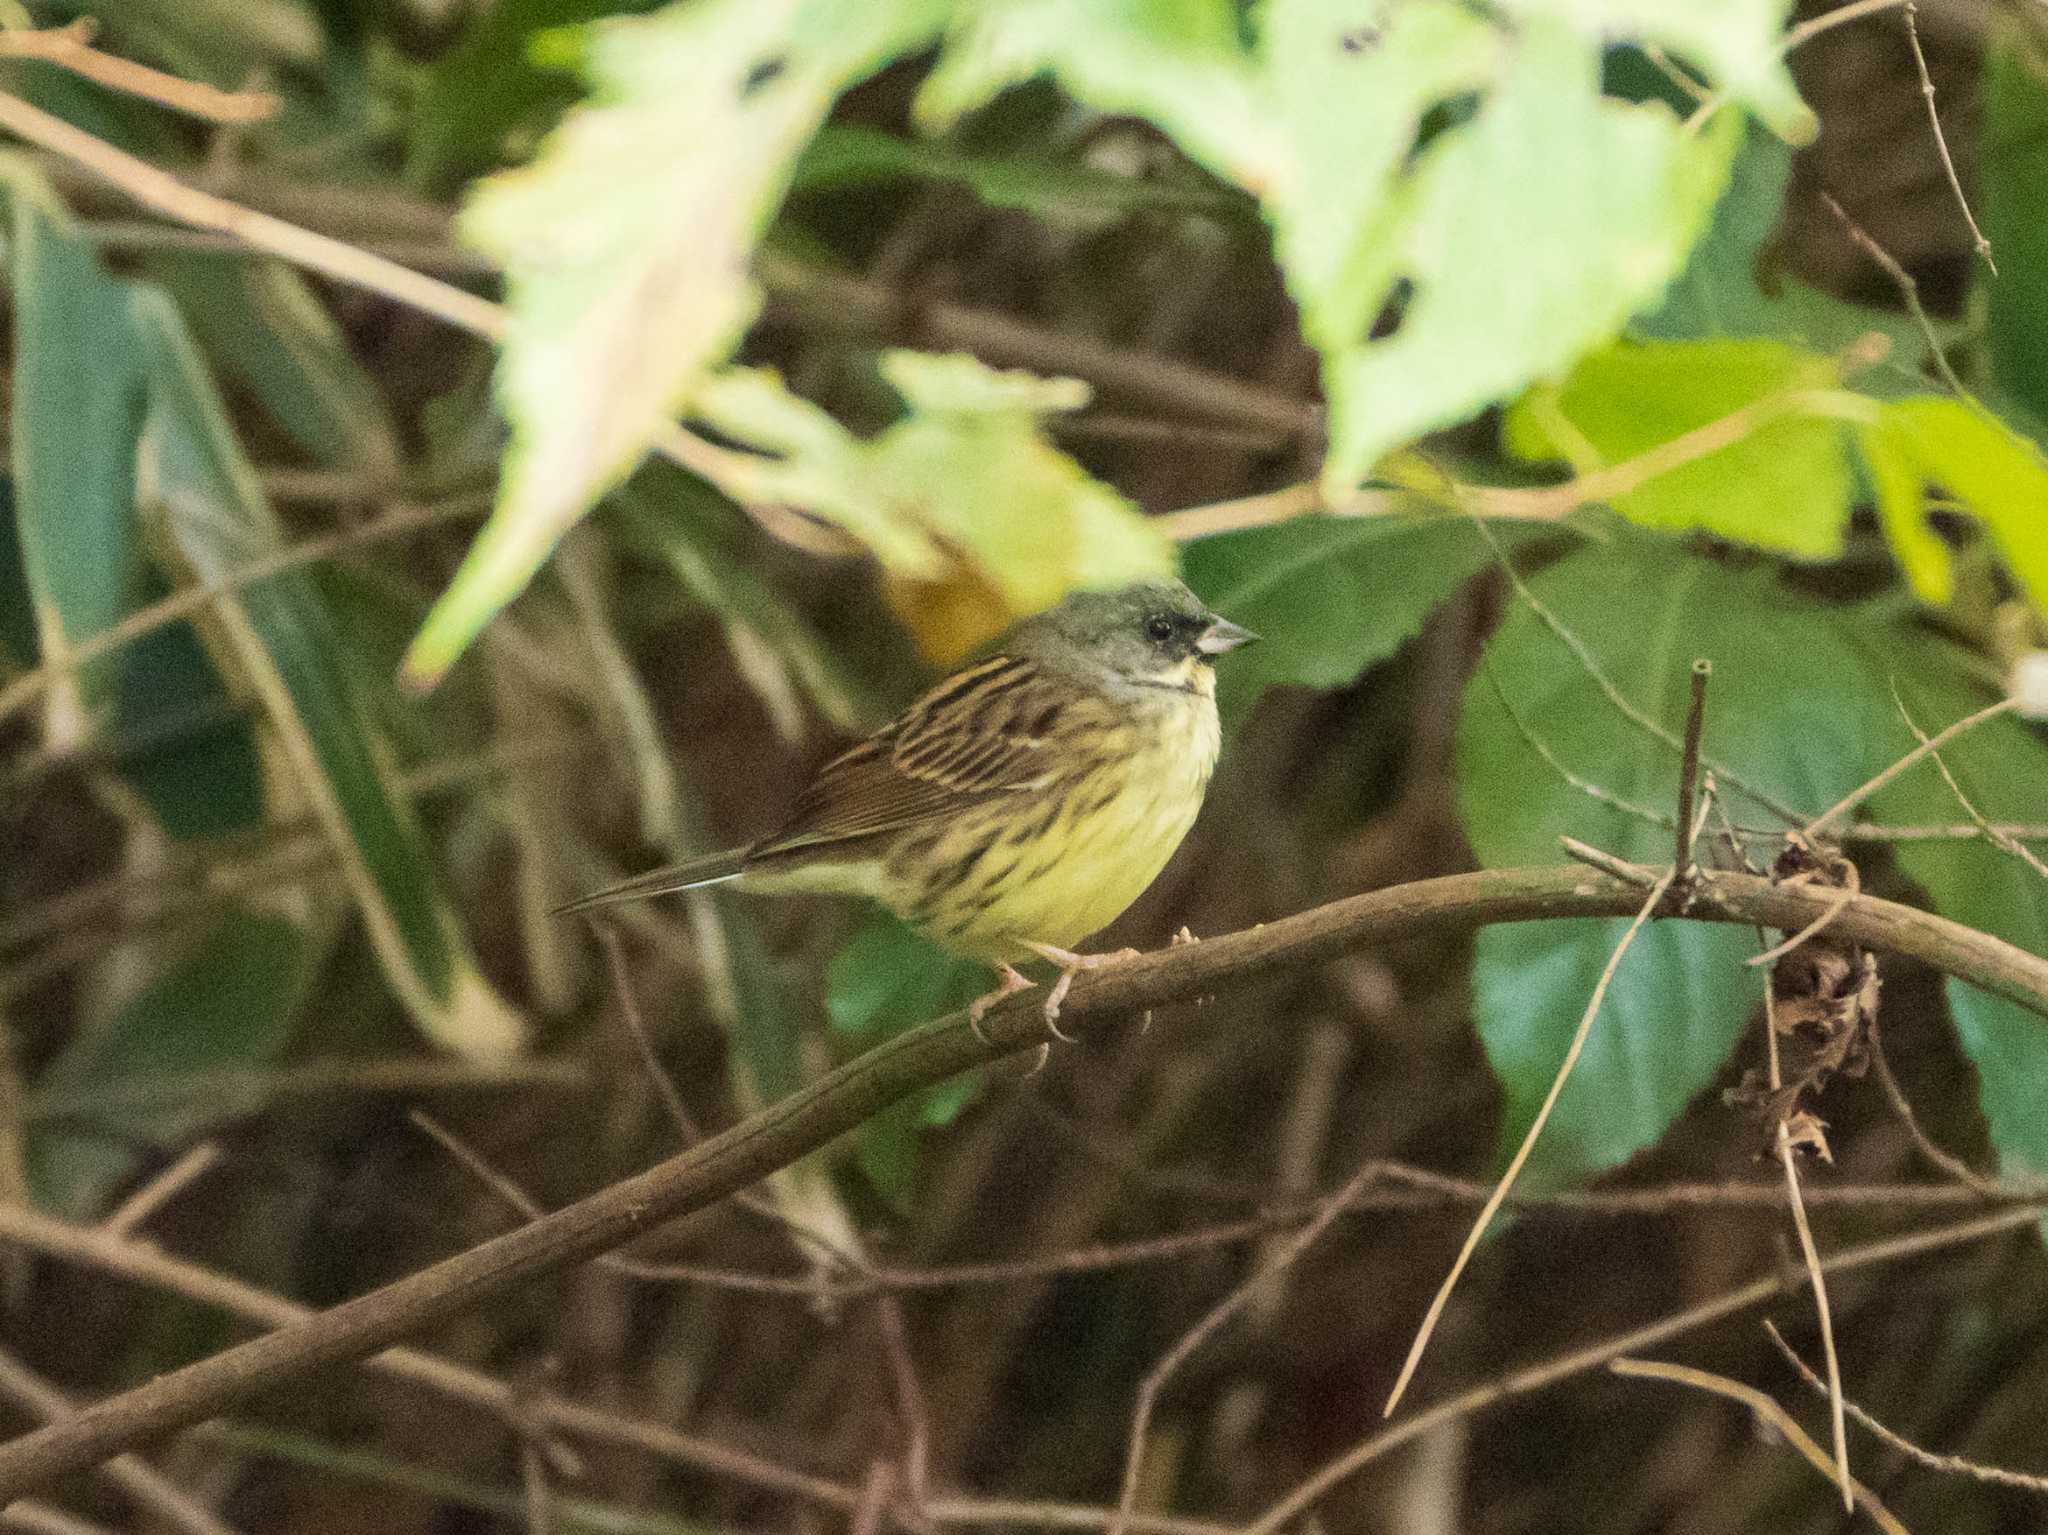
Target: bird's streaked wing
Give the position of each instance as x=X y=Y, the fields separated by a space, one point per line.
x=981 y=733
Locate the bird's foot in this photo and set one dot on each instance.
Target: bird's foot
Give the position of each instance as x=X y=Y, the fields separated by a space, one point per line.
x=1071 y=965
x=1008 y=983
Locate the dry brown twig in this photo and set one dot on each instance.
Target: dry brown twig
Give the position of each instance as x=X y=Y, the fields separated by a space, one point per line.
x=1975 y=1470
x=1760 y=1404
x=70 y=47
x=1948 y=164
x=1909 y=293
x=1156 y=1378
x=1507 y=1179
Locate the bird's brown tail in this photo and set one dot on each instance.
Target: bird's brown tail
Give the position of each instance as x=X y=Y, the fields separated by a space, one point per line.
x=711 y=869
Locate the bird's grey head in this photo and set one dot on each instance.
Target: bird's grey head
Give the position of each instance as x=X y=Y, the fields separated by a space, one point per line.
x=1156 y=633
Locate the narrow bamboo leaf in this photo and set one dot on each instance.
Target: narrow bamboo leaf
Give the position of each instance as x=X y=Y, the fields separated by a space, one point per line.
x=260 y=323
x=229 y=1003
x=282 y=639
x=76 y=411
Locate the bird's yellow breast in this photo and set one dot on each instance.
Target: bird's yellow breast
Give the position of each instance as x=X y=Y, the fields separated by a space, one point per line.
x=1055 y=865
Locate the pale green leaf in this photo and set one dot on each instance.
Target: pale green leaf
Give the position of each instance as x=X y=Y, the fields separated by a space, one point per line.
x=216 y=519
x=1783 y=484
x=626 y=246
x=963 y=499
x=1967 y=452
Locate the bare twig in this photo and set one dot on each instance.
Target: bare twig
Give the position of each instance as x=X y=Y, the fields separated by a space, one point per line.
x=1902 y=1108
x=186 y=601
x=1156 y=1378
x=149 y=1488
x=1757 y=1402
x=1794 y=39
x=1999 y=838
x=1909 y=293
x=1810 y=1253
x=847 y=1096
x=1593 y=791
x=70 y=47
x=163 y=1188
x=1507 y=1179
x=1852 y=886
x=1977 y=1471
x=1540 y=1376
x=1948 y=164
x=1689 y=767
x=1620 y=701
x=1862 y=792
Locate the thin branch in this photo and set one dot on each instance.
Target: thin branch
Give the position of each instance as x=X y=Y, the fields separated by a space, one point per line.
x=151 y=1491
x=1810 y=1253
x=1852 y=886
x=1853 y=1492
x=1794 y=39
x=1540 y=1376
x=70 y=47
x=1902 y=1108
x=1597 y=675
x=1507 y=1179
x=1155 y=1380
x=1948 y=164
x=920 y=1057
x=1909 y=293
x=186 y=601
x=1926 y=748
x=1996 y=1475
x=163 y=1188
x=2004 y=841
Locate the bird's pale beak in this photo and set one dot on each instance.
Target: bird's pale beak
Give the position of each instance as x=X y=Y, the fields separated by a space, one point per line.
x=1222 y=636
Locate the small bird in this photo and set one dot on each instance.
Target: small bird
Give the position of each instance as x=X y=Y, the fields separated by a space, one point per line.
x=1022 y=803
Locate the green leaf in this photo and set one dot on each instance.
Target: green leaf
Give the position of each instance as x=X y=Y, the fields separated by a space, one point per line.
x=179 y=739
x=1792 y=709
x=1783 y=485
x=216 y=519
x=17 y=610
x=887 y=979
x=264 y=327
x=1962 y=448
x=228 y=1003
x=1330 y=596
x=1721 y=294
x=1598 y=199
x=1338 y=121
x=2009 y=199
x=2002 y=766
x=963 y=499
x=77 y=408
x=626 y=247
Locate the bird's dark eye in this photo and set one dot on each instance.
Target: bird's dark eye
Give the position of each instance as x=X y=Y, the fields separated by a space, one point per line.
x=1159 y=628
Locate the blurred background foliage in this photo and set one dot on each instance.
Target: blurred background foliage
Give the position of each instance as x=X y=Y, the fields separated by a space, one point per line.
x=1495 y=364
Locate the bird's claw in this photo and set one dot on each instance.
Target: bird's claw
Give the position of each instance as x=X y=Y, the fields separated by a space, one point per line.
x=1071 y=965
x=1009 y=983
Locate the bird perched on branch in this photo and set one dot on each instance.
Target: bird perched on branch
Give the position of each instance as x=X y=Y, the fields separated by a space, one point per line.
x=1022 y=803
